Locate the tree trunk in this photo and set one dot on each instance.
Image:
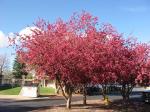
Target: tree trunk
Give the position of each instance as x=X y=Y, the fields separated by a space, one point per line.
x=104 y=91
x=23 y=80
x=61 y=87
x=1 y=79
x=68 y=106
x=123 y=92
x=57 y=87
x=57 y=90
x=66 y=92
x=84 y=95
x=44 y=85
x=1 y=76
x=104 y=96
x=126 y=91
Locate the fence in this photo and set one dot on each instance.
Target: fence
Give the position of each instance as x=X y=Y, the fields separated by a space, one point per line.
x=20 y=82
x=13 y=82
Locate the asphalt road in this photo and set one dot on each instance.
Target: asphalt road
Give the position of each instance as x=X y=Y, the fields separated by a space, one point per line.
x=11 y=105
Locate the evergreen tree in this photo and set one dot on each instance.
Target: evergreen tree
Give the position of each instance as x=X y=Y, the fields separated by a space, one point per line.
x=19 y=69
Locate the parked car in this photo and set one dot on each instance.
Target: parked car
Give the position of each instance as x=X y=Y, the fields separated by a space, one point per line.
x=146 y=96
x=93 y=91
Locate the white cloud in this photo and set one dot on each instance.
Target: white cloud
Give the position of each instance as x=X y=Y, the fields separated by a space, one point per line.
x=24 y=32
x=3 y=40
x=27 y=31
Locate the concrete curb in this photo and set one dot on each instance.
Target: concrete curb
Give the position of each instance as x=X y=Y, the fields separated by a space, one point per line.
x=22 y=98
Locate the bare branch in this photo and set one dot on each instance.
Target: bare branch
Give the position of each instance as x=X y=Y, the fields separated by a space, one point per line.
x=4 y=63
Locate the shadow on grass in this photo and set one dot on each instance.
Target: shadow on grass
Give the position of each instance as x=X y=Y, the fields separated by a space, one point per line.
x=48 y=95
x=5 y=88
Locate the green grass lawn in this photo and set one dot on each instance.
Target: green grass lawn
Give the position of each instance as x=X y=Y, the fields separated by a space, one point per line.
x=9 y=90
x=16 y=90
x=47 y=91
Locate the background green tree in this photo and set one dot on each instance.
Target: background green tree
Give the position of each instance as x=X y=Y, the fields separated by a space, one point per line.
x=19 y=69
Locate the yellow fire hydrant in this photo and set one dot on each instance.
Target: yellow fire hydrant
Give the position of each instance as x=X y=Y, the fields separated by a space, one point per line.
x=106 y=100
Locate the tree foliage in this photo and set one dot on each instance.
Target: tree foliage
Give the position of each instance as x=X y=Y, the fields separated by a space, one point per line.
x=77 y=53
x=19 y=69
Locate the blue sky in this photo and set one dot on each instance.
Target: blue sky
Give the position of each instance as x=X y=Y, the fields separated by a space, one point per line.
x=127 y=16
